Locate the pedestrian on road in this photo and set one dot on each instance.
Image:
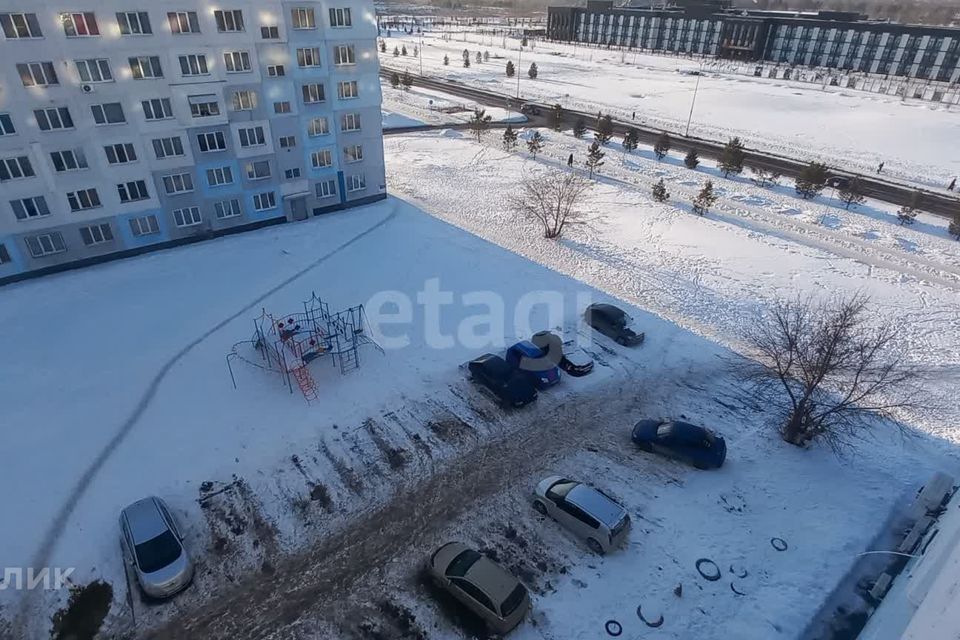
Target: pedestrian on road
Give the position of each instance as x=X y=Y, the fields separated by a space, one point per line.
x=633 y=116
x=953 y=183
x=879 y=167
x=570 y=160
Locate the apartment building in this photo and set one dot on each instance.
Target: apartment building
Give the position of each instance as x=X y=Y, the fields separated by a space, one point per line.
x=826 y=39
x=127 y=125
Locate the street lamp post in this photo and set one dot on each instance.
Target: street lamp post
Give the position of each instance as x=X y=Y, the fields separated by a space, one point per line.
x=420 y=54
x=519 y=56
x=693 y=102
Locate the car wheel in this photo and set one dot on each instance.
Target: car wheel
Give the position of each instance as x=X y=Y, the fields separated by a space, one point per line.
x=539 y=507
x=595 y=546
x=645 y=446
x=621 y=341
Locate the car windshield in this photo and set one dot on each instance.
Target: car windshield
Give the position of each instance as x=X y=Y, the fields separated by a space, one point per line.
x=157 y=553
x=513 y=600
x=462 y=563
x=561 y=488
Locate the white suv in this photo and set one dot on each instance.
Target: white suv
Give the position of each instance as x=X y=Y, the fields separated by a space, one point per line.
x=588 y=513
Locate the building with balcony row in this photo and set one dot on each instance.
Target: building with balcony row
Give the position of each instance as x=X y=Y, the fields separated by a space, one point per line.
x=126 y=125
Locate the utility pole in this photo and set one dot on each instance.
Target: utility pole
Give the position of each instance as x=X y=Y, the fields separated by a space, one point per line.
x=519 y=56
x=693 y=102
x=420 y=53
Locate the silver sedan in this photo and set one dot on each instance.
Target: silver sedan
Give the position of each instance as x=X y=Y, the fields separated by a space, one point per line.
x=153 y=547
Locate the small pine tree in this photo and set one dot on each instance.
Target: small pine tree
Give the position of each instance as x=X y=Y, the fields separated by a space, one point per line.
x=396 y=52
x=732 y=157
x=510 y=69
x=523 y=42
x=446 y=60
x=662 y=146
x=465 y=55
x=383 y=46
x=604 y=131
x=631 y=140
x=466 y=62
x=479 y=121
x=692 y=159
x=811 y=180
x=954 y=228
x=416 y=52
x=406 y=80
x=479 y=57
x=395 y=80
x=509 y=138
x=532 y=71
x=594 y=157
x=556 y=117
x=486 y=56
x=908 y=212
x=852 y=193
x=704 y=199
x=660 y=193
x=535 y=144
x=579 y=128
x=403 y=50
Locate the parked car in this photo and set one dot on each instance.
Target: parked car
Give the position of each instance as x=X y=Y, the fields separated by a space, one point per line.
x=838 y=182
x=531 y=361
x=612 y=322
x=530 y=109
x=588 y=513
x=153 y=547
x=485 y=587
x=511 y=387
x=573 y=361
x=682 y=441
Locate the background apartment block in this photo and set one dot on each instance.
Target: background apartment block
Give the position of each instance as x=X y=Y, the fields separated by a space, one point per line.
x=135 y=123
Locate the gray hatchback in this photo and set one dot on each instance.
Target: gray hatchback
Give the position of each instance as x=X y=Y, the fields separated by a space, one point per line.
x=153 y=547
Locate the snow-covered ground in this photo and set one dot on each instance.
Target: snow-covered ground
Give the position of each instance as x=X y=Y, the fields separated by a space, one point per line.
x=419 y=105
x=844 y=128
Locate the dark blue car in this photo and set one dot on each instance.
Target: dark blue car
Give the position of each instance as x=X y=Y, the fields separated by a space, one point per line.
x=682 y=441
x=532 y=361
x=512 y=388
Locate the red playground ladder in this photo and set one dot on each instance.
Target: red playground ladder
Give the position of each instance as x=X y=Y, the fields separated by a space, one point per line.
x=306 y=383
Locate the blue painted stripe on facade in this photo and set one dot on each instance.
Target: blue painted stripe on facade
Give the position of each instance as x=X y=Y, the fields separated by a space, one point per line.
x=342 y=183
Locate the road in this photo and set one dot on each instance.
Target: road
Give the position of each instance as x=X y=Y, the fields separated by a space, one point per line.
x=873 y=186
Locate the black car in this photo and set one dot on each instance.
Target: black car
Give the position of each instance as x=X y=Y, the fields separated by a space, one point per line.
x=512 y=387
x=681 y=440
x=575 y=362
x=612 y=322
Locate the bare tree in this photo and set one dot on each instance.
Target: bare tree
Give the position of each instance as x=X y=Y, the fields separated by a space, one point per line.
x=552 y=199
x=763 y=177
x=829 y=369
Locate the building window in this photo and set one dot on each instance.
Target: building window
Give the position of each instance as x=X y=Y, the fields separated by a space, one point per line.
x=167 y=147
x=326 y=189
x=275 y=70
x=20 y=25
x=121 y=153
x=236 y=61
x=96 y=234
x=264 y=201
x=281 y=107
x=286 y=142
x=313 y=93
x=79 y=25
x=45 y=244
x=244 y=100
x=6 y=125
x=347 y=89
x=187 y=217
x=271 y=32
x=4 y=255
x=321 y=159
x=143 y=67
x=219 y=176
x=68 y=160
x=308 y=57
x=157 y=109
x=144 y=226
x=178 y=183
x=214 y=141
x=55 y=118
x=183 y=22
x=134 y=23
x=204 y=106
x=340 y=17
x=353 y=153
x=26 y=208
x=229 y=21
x=193 y=65
x=109 y=113
x=356 y=182
x=259 y=170
x=37 y=74
x=303 y=18
x=318 y=127
x=94 y=70
x=133 y=191
x=343 y=54
x=291 y=174
x=15 y=168
x=227 y=209
x=83 y=199
x=251 y=136
x=350 y=122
